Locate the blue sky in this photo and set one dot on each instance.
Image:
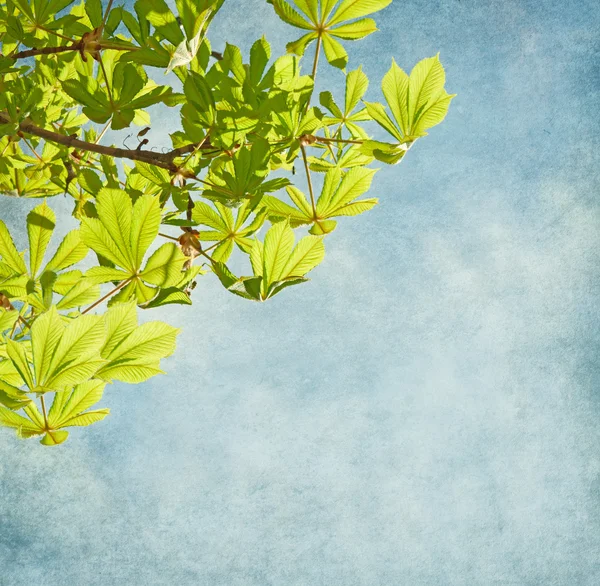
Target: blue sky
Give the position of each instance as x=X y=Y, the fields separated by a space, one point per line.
x=423 y=412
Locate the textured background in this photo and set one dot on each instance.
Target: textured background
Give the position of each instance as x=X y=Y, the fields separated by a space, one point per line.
x=425 y=411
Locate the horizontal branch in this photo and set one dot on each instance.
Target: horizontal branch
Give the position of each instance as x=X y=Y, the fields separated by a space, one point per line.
x=79 y=46
x=163 y=160
x=45 y=51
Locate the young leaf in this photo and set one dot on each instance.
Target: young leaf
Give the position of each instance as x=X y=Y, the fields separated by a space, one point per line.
x=40 y=226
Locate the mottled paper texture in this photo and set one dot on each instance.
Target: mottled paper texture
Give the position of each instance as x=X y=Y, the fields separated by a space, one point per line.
x=425 y=411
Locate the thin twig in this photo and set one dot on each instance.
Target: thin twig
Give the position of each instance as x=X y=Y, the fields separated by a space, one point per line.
x=169 y=237
x=33 y=150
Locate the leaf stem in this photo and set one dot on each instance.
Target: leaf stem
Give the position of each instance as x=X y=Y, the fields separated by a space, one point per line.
x=110 y=3
x=103 y=132
x=33 y=150
x=317 y=52
x=109 y=294
x=342 y=140
x=108 y=89
x=51 y=32
x=44 y=412
x=308 y=178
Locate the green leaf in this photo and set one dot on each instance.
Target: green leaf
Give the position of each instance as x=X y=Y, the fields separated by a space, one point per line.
x=355 y=182
x=9 y=253
x=356 y=86
x=68 y=405
x=289 y=15
x=77 y=355
x=121 y=320
x=54 y=438
x=135 y=357
x=46 y=332
x=40 y=226
x=25 y=427
x=164 y=266
x=279 y=241
x=307 y=254
x=378 y=113
x=145 y=225
x=426 y=81
x=87 y=418
x=160 y=16
x=82 y=293
x=93 y=8
x=395 y=89
x=323 y=227
x=417 y=102
x=354 y=30
x=350 y=9
x=18 y=356
x=115 y=210
x=70 y=251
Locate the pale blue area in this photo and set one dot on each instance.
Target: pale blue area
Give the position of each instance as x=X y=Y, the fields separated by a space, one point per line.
x=425 y=411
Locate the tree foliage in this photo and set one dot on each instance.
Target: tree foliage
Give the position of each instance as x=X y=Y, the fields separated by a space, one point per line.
x=251 y=140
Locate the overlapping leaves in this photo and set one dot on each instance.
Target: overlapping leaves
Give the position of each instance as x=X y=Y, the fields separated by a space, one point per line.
x=122 y=234
x=75 y=358
x=338 y=198
x=417 y=102
x=276 y=264
x=34 y=285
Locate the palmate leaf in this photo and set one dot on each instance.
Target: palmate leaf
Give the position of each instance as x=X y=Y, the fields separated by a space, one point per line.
x=75 y=359
x=337 y=198
x=133 y=352
x=122 y=233
x=326 y=20
x=225 y=229
x=356 y=86
x=69 y=409
x=276 y=264
x=417 y=102
x=61 y=355
x=36 y=287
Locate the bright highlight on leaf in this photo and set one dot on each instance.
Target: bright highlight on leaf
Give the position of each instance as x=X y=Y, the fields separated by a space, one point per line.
x=417 y=102
x=328 y=22
x=276 y=264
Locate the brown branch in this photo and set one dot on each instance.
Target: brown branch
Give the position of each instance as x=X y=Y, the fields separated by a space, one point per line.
x=45 y=51
x=163 y=160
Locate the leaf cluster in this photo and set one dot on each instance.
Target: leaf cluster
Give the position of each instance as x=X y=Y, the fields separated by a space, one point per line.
x=254 y=157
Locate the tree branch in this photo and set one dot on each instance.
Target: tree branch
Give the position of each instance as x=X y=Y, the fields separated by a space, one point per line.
x=45 y=51
x=163 y=160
